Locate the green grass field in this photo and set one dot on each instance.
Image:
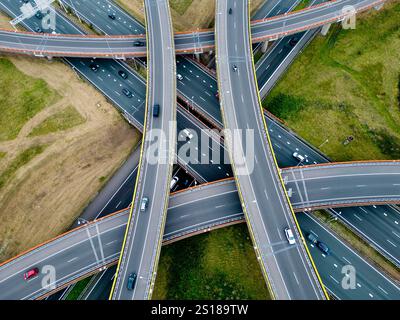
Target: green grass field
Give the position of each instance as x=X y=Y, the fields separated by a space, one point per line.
x=347 y=84
x=20 y=160
x=302 y=5
x=78 y=288
x=217 y=265
x=2 y=154
x=25 y=97
x=180 y=6
x=67 y=118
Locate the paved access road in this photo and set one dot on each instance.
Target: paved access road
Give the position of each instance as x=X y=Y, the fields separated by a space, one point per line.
x=190 y=212
x=289 y=271
x=142 y=242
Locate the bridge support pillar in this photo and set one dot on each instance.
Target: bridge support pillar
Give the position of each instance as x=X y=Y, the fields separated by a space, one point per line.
x=264 y=46
x=197 y=55
x=378 y=7
x=325 y=29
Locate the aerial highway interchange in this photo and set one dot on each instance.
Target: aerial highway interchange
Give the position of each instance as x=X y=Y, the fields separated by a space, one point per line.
x=293 y=179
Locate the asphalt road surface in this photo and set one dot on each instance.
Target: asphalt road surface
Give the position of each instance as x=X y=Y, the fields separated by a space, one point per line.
x=93 y=246
x=288 y=269
x=123 y=46
x=142 y=242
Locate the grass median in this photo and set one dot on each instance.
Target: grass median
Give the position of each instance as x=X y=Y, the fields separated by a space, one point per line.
x=217 y=265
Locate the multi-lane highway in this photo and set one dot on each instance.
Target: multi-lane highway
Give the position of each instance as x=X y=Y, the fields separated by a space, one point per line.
x=122 y=46
x=282 y=138
x=93 y=246
x=142 y=241
x=288 y=268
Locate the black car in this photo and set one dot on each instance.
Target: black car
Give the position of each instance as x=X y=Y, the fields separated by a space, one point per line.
x=131 y=281
x=122 y=74
x=230 y=11
x=111 y=16
x=138 y=43
x=323 y=247
x=126 y=92
x=38 y=15
x=293 y=41
x=38 y=30
x=156 y=110
x=94 y=67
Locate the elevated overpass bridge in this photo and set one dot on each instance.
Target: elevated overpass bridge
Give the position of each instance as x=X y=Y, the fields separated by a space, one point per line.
x=121 y=46
x=89 y=248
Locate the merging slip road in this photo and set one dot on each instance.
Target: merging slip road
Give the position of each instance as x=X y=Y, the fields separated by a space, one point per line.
x=142 y=242
x=289 y=269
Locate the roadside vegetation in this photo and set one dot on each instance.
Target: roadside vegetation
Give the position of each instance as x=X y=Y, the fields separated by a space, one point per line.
x=217 y=265
x=65 y=119
x=60 y=141
x=78 y=288
x=302 y=4
x=347 y=85
x=25 y=97
x=23 y=158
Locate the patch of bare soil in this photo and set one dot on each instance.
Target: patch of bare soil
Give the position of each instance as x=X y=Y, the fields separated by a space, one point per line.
x=46 y=195
x=199 y=15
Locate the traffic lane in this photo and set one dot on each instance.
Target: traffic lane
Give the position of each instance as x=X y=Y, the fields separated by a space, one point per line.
x=72 y=46
x=317 y=15
x=370 y=283
x=202 y=163
x=267 y=66
x=108 y=80
x=314 y=186
x=272 y=8
x=79 y=252
x=270 y=196
x=63 y=25
x=141 y=249
x=97 y=13
x=196 y=205
x=180 y=216
x=380 y=225
x=285 y=143
x=198 y=88
x=196 y=80
x=100 y=290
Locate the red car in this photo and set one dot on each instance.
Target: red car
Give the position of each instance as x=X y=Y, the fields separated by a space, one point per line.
x=31 y=273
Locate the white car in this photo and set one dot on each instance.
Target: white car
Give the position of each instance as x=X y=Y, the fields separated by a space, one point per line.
x=179 y=76
x=290 y=236
x=187 y=134
x=144 y=204
x=298 y=156
x=174 y=181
